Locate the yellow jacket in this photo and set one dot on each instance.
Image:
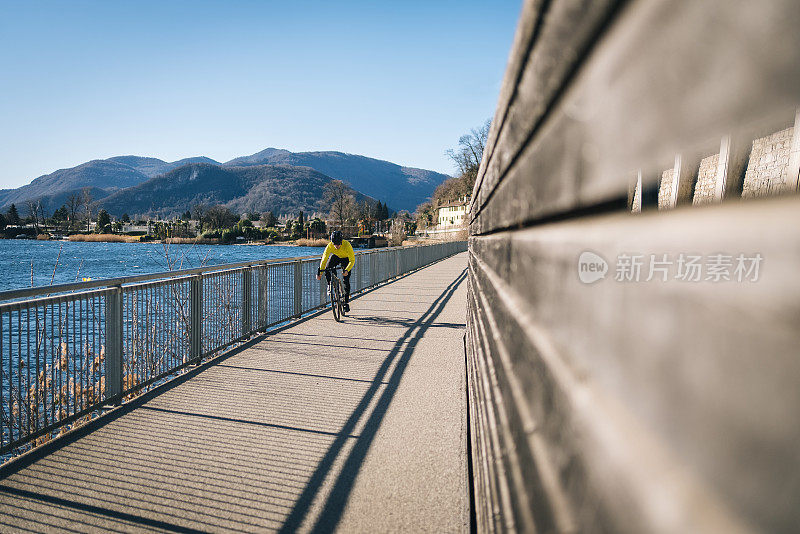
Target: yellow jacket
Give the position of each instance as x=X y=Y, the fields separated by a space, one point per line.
x=345 y=250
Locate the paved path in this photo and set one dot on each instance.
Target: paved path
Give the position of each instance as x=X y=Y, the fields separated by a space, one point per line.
x=356 y=427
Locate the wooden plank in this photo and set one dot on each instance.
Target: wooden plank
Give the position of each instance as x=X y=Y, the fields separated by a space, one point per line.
x=567 y=27
x=538 y=500
x=520 y=48
x=675 y=402
x=665 y=79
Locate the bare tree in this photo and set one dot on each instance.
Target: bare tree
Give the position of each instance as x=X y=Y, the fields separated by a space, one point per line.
x=73 y=205
x=397 y=233
x=86 y=201
x=219 y=217
x=199 y=214
x=467 y=156
x=340 y=200
x=33 y=214
x=41 y=215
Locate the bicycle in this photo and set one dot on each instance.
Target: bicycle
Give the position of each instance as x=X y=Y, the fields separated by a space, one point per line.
x=335 y=292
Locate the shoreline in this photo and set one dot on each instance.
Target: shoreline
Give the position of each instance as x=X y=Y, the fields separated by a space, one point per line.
x=121 y=238
x=128 y=239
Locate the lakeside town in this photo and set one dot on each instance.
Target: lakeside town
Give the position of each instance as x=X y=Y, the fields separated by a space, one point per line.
x=368 y=226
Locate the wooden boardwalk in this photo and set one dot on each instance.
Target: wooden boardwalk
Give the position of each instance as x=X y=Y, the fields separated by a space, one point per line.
x=322 y=426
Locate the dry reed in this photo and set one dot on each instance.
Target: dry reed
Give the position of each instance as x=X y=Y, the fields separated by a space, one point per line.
x=105 y=238
x=311 y=242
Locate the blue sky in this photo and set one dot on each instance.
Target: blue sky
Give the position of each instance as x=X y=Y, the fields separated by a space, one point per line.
x=399 y=81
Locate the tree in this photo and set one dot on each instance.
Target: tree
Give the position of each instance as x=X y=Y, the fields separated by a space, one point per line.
x=126 y=218
x=3 y=222
x=295 y=229
x=301 y=219
x=86 y=201
x=398 y=233
x=61 y=214
x=317 y=226
x=33 y=214
x=269 y=219
x=103 y=220
x=186 y=215
x=467 y=157
x=340 y=201
x=13 y=215
x=378 y=211
x=365 y=218
x=199 y=214
x=73 y=205
x=219 y=217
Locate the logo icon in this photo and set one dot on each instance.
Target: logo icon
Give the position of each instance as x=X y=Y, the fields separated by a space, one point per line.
x=591 y=267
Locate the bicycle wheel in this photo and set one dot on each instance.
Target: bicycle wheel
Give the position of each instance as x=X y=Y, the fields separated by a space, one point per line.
x=336 y=301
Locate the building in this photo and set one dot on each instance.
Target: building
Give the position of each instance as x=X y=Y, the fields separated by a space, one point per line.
x=453 y=214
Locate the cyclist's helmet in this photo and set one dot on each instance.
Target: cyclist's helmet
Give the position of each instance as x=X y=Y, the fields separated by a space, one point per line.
x=336 y=237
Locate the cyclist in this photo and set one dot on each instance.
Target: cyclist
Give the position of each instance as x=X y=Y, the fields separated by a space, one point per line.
x=338 y=252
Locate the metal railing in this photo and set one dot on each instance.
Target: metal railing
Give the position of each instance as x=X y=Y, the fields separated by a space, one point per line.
x=68 y=350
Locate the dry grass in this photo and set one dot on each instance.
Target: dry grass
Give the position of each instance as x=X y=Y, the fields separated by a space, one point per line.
x=42 y=237
x=311 y=242
x=191 y=241
x=105 y=238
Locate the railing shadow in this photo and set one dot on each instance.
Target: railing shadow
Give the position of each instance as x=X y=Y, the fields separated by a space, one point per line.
x=402 y=351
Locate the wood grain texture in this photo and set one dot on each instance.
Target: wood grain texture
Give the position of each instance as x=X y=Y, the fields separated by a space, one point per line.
x=662 y=406
x=551 y=38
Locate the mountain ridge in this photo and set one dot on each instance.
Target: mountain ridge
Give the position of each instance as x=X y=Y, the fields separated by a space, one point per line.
x=100 y=174
x=251 y=188
x=401 y=187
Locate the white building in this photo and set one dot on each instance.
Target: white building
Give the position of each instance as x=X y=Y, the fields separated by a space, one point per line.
x=453 y=214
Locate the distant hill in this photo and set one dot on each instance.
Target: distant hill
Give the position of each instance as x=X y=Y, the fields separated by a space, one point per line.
x=259 y=158
x=259 y=188
x=96 y=174
x=400 y=187
x=151 y=167
x=103 y=177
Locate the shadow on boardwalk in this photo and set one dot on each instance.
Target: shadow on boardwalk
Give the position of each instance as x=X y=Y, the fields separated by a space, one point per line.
x=402 y=351
x=254 y=442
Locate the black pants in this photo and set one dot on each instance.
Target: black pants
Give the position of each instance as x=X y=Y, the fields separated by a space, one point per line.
x=333 y=262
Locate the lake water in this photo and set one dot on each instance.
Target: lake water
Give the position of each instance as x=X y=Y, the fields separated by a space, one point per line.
x=111 y=260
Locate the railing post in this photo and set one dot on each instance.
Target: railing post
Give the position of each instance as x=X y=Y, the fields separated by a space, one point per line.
x=322 y=293
x=113 y=349
x=298 y=288
x=262 y=297
x=196 y=318
x=247 y=289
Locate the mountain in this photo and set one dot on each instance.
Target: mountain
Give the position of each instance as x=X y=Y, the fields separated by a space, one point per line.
x=102 y=177
x=400 y=187
x=259 y=158
x=259 y=188
x=96 y=174
x=151 y=167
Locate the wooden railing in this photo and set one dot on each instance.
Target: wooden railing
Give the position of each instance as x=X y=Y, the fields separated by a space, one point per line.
x=633 y=321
